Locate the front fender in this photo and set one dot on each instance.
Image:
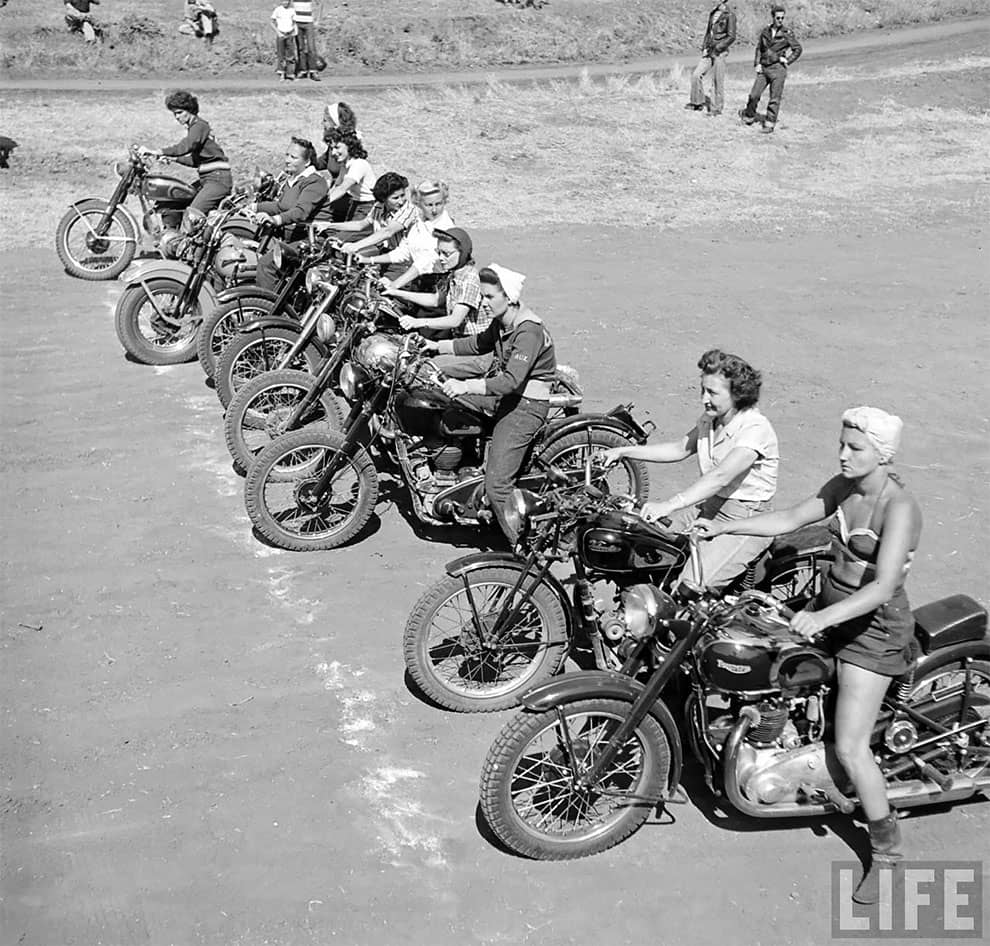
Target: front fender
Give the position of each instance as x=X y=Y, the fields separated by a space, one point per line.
x=122 y=209
x=478 y=560
x=606 y=685
x=138 y=274
x=278 y=321
x=245 y=289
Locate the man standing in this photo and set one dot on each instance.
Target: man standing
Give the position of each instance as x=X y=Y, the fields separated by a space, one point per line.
x=719 y=36
x=776 y=50
x=306 y=39
x=284 y=24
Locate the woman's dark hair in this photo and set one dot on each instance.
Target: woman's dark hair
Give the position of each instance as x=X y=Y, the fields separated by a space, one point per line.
x=490 y=277
x=347 y=123
x=182 y=100
x=744 y=380
x=306 y=146
x=354 y=146
x=388 y=184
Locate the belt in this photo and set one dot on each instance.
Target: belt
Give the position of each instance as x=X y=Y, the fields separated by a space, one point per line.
x=214 y=166
x=537 y=390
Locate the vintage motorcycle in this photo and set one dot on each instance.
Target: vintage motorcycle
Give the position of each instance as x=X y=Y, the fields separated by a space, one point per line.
x=594 y=753
x=161 y=308
x=499 y=623
x=98 y=239
x=316 y=488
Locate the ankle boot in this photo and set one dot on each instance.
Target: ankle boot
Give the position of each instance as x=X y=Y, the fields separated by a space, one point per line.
x=885 y=852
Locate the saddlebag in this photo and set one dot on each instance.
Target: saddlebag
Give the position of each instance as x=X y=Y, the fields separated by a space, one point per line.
x=952 y=620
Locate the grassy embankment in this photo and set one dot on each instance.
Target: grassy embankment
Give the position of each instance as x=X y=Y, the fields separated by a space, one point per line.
x=619 y=152
x=415 y=35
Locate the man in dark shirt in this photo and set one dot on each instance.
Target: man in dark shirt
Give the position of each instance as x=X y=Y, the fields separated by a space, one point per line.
x=517 y=385
x=719 y=36
x=776 y=50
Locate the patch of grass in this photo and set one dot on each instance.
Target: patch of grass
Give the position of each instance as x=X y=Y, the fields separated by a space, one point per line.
x=409 y=36
x=557 y=153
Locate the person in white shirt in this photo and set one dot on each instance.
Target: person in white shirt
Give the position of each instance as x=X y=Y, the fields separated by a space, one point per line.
x=284 y=24
x=738 y=456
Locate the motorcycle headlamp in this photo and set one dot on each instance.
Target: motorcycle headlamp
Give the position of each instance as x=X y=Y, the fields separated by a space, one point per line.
x=642 y=607
x=352 y=380
x=519 y=508
x=118 y=170
x=278 y=257
x=317 y=276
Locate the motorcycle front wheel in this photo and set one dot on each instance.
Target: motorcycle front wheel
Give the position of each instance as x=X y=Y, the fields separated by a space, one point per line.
x=530 y=796
x=258 y=412
x=253 y=353
x=221 y=326
x=151 y=328
x=88 y=256
x=570 y=454
x=461 y=665
x=282 y=504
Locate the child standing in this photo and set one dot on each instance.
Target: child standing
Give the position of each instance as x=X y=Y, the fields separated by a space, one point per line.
x=284 y=24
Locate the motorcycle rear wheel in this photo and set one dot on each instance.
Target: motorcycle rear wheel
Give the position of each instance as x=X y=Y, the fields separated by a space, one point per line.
x=155 y=338
x=627 y=477
x=257 y=414
x=528 y=795
x=253 y=353
x=221 y=326
x=277 y=503
x=453 y=666
x=86 y=256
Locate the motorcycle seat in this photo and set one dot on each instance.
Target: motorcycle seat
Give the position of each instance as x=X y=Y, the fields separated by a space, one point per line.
x=804 y=541
x=952 y=620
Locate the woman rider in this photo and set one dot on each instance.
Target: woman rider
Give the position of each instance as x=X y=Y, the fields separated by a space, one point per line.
x=200 y=150
x=737 y=453
x=875 y=531
x=351 y=194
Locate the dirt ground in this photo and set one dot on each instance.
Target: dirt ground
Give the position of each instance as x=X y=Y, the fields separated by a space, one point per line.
x=209 y=741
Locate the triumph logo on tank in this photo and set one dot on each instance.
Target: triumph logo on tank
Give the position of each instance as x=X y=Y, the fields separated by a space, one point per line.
x=732 y=668
x=927 y=900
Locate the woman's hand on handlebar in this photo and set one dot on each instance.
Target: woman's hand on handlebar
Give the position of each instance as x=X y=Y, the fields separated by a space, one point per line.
x=654 y=512
x=808 y=624
x=706 y=529
x=453 y=387
x=408 y=322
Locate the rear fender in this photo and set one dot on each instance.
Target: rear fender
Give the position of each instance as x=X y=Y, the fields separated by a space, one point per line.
x=605 y=685
x=929 y=663
x=575 y=422
x=472 y=563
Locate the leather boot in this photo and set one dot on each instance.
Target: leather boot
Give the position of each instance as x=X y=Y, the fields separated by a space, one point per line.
x=885 y=852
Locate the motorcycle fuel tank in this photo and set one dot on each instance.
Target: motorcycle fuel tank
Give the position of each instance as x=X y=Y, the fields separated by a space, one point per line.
x=168 y=190
x=618 y=542
x=738 y=665
x=427 y=412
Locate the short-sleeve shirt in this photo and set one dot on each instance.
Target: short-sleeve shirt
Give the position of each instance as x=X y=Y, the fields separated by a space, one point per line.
x=748 y=429
x=285 y=20
x=360 y=171
x=463 y=286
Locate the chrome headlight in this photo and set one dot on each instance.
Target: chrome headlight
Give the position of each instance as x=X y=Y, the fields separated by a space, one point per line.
x=518 y=509
x=352 y=381
x=317 y=276
x=117 y=169
x=642 y=607
x=378 y=352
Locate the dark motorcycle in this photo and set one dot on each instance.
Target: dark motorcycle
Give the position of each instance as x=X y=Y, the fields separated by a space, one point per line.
x=594 y=753
x=161 y=308
x=315 y=488
x=97 y=239
x=500 y=623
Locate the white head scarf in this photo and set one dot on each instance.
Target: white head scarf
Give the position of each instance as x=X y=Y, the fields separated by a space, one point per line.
x=511 y=281
x=882 y=429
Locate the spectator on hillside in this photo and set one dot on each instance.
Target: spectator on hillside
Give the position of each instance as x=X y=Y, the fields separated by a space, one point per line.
x=719 y=36
x=306 y=39
x=284 y=24
x=79 y=19
x=199 y=19
x=776 y=50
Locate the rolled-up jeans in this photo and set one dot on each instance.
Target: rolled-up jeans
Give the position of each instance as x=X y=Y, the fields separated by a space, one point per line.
x=726 y=556
x=716 y=65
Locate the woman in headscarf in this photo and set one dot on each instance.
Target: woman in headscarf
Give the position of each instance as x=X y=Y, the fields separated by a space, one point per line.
x=458 y=292
x=875 y=525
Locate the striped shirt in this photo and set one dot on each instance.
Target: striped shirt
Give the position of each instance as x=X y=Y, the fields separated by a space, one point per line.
x=405 y=216
x=304 y=10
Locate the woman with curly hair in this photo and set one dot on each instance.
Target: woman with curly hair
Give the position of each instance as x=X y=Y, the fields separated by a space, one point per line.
x=737 y=453
x=351 y=194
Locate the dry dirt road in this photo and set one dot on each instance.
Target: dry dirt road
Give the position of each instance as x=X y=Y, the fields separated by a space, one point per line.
x=208 y=741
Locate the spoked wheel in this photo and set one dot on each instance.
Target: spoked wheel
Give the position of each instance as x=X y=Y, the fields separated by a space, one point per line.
x=254 y=353
x=151 y=326
x=86 y=255
x=946 y=688
x=221 y=326
x=260 y=409
x=794 y=581
x=570 y=453
x=460 y=657
x=286 y=509
x=531 y=794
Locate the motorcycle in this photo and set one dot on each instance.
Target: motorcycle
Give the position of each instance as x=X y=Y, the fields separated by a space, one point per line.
x=249 y=308
x=98 y=239
x=499 y=623
x=316 y=488
x=162 y=305
x=593 y=754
